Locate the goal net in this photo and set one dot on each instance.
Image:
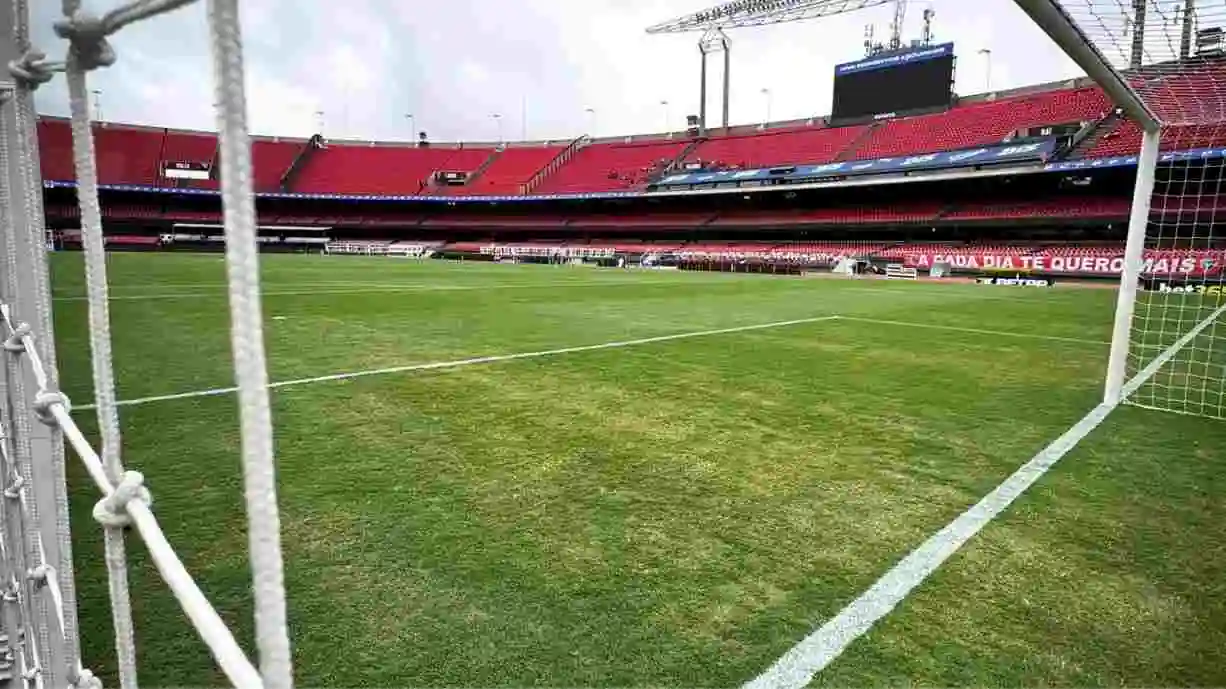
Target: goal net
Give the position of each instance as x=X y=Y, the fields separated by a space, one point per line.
x=39 y=644
x=1162 y=63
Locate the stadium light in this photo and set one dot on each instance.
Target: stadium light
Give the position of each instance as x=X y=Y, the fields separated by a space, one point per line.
x=987 y=54
x=740 y=13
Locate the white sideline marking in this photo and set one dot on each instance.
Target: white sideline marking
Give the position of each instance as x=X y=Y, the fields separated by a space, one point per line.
x=798 y=666
x=977 y=331
x=475 y=360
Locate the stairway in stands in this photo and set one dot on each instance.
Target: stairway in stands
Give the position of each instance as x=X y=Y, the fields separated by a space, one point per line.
x=300 y=161
x=475 y=174
x=1102 y=128
x=849 y=153
x=562 y=159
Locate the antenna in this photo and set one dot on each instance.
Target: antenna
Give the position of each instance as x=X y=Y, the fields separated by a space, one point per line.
x=869 y=46
x=926 y=37
x=900 y=14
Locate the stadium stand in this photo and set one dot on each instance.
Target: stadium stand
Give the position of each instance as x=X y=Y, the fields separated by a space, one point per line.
x=387 y=170
x=187 y=147
x=1115 y=207
x=270 y=159
x=1125 y=139
x=612 y=166
x=630 y=220
x=509 y=170
x=774 y=147
x=1056 y=214
x=983 y=122
x=55 y=149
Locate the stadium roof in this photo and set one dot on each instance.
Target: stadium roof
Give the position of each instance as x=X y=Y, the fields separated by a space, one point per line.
x=738 y=13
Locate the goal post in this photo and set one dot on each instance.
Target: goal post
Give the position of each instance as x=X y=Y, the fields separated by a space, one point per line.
x=1162 y=64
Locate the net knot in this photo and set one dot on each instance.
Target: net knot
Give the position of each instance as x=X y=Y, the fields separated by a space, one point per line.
x=41 y=574
x=15 y=343
x=112 y=510
x=44 y=400
x=34 y=69
x=87 y=33
x=87 y=680
x=13 y=490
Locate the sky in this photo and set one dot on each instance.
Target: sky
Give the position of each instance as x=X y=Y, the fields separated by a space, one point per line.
x=539 y=64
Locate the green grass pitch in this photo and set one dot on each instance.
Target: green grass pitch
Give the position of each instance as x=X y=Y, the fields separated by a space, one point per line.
x=676 y=513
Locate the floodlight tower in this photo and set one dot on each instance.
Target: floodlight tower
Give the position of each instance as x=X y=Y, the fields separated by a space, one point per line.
x=741 y=13
x=714 y=41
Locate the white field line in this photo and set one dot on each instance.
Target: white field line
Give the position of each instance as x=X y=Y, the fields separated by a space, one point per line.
x=929 y=290
x=798 y=666
x=975 y=331
x=476 y=360
x=609 y=345
x=360 y=289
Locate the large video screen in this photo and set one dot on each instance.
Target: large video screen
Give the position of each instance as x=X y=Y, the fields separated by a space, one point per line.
x=916 y=80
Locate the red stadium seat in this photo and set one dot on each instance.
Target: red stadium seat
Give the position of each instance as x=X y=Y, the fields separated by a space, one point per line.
x=982 y=123
x=607 y=167
x=789 y=146
x=388 y=170
x=188 y=147
x=510 y=170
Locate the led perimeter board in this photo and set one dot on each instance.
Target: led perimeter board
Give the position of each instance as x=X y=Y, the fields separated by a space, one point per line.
x=918 y=79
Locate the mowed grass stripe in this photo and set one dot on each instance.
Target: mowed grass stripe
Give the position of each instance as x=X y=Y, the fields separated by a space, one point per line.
x=673 y=514
x=499 y=358
x=474 y=361
x=625 y=517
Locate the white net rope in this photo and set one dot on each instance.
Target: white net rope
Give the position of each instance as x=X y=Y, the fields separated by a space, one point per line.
x=126 y=503
x=1172 y=53
x=1157 y=46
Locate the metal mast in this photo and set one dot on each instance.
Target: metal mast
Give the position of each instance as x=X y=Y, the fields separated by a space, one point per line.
x=713 y=21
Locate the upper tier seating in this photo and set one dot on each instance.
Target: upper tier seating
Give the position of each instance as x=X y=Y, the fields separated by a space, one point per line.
x=1193 y=101
x=188 y=147
x=811 y=145
x=982 y=123
x=511 y=169
x=604 y=166
x=1125 y=139
x=381 y=170
x=270 y=160
x=128 y=156
x=55 y=150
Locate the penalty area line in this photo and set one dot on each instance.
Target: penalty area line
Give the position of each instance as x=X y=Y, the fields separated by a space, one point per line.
x=796 y=668
x=458 y=363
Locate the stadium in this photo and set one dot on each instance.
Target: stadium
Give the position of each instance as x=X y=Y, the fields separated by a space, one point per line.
x=923 y=390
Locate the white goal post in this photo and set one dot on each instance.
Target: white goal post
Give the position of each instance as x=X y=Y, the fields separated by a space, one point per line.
x=1162 y=63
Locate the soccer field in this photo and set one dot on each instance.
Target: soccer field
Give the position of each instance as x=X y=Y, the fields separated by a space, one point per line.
x=676 y=477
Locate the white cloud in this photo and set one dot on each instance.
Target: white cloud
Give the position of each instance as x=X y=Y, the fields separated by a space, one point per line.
x=366 y=63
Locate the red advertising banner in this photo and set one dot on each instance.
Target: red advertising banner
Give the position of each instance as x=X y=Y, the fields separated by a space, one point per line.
x=1193 y=263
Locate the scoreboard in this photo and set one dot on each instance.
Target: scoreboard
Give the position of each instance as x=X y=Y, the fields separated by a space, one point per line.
x=918 y=79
